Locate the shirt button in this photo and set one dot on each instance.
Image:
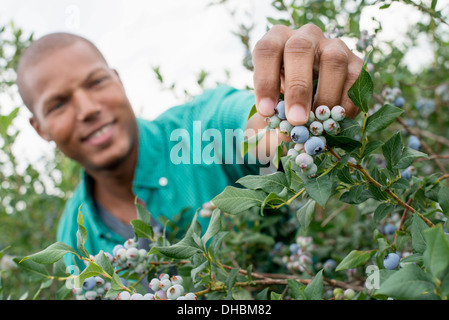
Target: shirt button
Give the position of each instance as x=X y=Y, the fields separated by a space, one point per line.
x=163 y=181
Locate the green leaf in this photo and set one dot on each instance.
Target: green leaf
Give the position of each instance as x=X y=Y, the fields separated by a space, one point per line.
x=436 y=255
x=252 y=112
x=142 y=213
x=52 y=253
x=362 y=90
x=236 y=200
x=407 y=158
x=91 y=270
x=346 y=143
x=319 y=189
x=315 y=289
x=37 y=270
x=214 y=226
x=443 y=200
x=382 y=118
x=296 y=289
x=81 y=235
x=305 y=214
x=103 y=262
x=381 y=212
x=355 y=259
x=410 y=282
x=392 y=150
x=417 y=231
x=274 y=182
x=142 y=230
x=232 y=277
x=371 y=146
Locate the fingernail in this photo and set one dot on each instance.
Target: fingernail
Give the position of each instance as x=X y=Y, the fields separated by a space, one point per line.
x=266 y=107
x=297 y=113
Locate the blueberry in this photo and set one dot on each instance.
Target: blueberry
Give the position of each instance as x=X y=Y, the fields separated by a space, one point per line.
x=293 y=248
x=311 y=172
x=330 y=126
x=314 y=146
x=316 y=128
x=273 y=122
x=391 y=261
x=414 y=143
x=89 y=283
x=406 y=174
x=389 y=229
x=304 y=161
x=299 y=134
x=399 y=102
x=280 y=110
x=322 y=113
x=338 y=113
x=175 y=291
x=285 y=127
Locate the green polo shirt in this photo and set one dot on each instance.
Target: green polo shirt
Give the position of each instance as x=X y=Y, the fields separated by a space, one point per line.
x=186 y=156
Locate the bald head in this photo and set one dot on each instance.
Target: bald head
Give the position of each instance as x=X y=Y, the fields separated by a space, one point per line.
x=41 y=48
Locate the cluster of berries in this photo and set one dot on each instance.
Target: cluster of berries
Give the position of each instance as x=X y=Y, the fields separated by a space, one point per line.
x=308 y=139
x=339 y=294
x=130 y=257
x=425 y=106
x=298 y=256
x=165 y=287
x=94 y=288
x=393 y=96
x=364 y=41
x=206 y=209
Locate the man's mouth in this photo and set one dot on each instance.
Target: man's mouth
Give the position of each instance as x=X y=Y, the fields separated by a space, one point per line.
x=100 y=136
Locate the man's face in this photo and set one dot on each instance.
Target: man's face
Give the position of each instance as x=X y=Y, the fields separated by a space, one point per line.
x=80 y=103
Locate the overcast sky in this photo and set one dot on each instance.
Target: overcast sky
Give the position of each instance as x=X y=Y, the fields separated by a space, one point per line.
x=181 y=36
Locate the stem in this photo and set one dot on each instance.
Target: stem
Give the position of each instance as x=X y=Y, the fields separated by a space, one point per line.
x=380 y=186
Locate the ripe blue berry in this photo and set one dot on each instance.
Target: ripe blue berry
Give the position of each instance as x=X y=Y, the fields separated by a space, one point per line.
x=389 y=229
x=322 y=113
x=314 y=146
x=89 y=283
x=399 y=102
x=299 y=134
x=414 y=143
x=406 y=174
x=280 y=110
x=391 y=261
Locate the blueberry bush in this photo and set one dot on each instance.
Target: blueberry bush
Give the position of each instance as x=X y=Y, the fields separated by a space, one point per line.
x=357 y=208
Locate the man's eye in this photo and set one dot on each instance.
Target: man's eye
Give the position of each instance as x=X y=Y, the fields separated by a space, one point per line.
x=98 y=81
x=56 y=106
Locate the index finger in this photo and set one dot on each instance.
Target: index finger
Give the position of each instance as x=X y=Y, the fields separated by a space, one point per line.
x=299 y=58
x=267 y=60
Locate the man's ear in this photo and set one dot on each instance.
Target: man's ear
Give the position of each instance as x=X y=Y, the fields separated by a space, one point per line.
x=35 y=123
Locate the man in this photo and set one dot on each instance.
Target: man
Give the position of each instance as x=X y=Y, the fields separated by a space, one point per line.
x=79 y=102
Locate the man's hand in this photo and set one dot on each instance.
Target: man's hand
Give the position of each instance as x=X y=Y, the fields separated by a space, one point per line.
x=286 y=60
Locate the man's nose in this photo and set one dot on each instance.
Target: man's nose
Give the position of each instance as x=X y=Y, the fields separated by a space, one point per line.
x=86 y=107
